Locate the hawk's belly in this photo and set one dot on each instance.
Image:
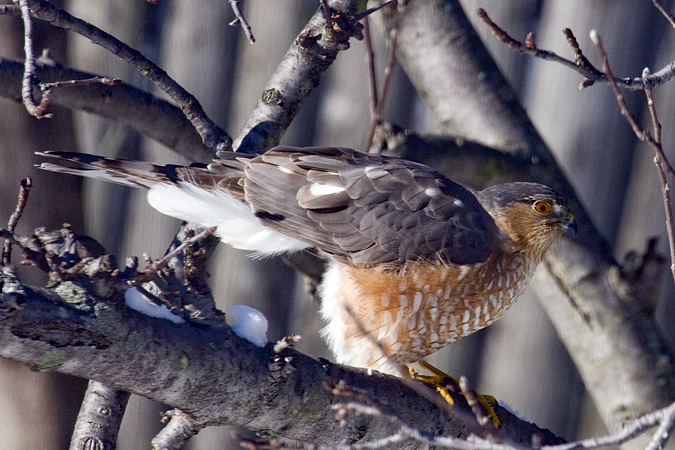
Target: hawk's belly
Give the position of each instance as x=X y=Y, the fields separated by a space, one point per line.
x=414 y=312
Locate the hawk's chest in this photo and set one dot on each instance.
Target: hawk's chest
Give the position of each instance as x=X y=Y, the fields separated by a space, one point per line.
x=426 y=306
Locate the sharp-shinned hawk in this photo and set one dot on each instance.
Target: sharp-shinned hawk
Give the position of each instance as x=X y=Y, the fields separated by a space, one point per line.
x=419 y=260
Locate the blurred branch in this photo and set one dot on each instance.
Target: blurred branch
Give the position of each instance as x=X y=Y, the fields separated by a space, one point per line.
x=379 y=98
x=665 y=12
x=212 y=136
x=123 y=103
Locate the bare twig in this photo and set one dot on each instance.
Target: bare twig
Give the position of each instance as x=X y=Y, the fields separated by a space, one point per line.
x=472 y=400
x=241 y=20
x=46 y=88
x=393 y=39
x=375 y=8
x=657 y=130
x=158 y=265
x=370 y=64
x=530 y=49
x=660 y=159
x=664 y=431
x=212 y=136
x=629 y=430
x=180 y=427
x=24 y=190
x=581 y=64
x=637 y=129
x=665 y=12
x=327 y=14
x=29 y=80
x=376 y=118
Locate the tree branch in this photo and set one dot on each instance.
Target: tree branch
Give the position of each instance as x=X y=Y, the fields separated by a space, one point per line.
x=212 y=136
x=300 y=71
x=122 y=103
x=99 y=418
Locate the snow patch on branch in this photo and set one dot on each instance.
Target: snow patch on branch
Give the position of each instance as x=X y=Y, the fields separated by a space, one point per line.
x=249 y=324
x=135 y=300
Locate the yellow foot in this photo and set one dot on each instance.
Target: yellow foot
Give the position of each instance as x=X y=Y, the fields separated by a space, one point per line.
x=440 y=380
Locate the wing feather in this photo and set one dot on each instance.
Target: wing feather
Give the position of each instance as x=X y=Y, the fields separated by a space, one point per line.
x=368 y=209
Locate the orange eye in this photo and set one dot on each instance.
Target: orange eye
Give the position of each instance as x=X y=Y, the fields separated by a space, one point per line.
x=542 y=207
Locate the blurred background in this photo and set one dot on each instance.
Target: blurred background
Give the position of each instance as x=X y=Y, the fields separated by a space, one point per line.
x=519 y=360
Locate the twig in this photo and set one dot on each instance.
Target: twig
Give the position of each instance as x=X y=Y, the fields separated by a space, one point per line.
x=664 y=431
x=375 y=8
x=29 y=80
x=372 y=79
x=472 y=400
x=376 y=118
x=24 y=190
x=629 y=430
x=580 y=65
x=660 y=159
x=637 y=129
x=657 y=130
x=241 y=20
x=158 y=265
x=46 y=88
x=327 y=14
x=212 y=136
x=393 y=39
x=665 y=13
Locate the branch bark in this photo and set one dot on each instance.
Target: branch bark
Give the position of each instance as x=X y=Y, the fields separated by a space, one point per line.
x=300 y=71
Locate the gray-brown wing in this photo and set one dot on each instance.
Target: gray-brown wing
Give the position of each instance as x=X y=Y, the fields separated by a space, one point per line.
x=367 y=209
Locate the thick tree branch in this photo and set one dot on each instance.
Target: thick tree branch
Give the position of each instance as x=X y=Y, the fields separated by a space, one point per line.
x=99 y=418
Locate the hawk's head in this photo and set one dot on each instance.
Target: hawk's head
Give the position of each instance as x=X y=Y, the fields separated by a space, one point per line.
x=533 y=216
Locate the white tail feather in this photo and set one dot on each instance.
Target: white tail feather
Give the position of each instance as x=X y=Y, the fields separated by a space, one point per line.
x=236 y=224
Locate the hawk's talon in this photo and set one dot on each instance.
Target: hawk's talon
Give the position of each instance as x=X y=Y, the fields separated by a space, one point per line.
x=440 y=381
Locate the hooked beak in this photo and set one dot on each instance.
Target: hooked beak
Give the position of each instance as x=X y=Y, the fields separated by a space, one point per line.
x=569 y=225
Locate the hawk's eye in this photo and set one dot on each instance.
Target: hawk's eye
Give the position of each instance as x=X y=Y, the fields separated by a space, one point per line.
x=542 y=207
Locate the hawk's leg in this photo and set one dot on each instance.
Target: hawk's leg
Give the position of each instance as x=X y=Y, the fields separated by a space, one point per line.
x=441 y=381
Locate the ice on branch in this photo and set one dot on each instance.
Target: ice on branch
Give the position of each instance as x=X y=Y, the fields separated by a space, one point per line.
x=135 y=300
x=249 y=324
